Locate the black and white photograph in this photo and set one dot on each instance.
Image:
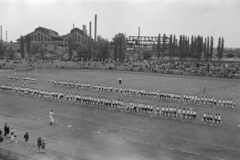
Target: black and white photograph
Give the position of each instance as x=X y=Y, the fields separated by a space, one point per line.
x=119 y=80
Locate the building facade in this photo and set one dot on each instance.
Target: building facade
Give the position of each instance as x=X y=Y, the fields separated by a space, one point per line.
x=78 y=36
x=48 y=36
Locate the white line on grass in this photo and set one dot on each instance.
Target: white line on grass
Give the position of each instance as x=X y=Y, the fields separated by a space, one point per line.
x=220 y=90
x=104 y=116
x=190 y=140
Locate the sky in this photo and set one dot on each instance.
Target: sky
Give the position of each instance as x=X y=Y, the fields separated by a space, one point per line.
x=217 y=18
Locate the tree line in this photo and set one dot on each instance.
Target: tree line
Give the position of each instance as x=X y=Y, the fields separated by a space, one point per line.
x=194 y=47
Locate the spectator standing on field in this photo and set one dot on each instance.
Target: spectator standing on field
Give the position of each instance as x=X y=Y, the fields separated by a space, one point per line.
x=39 y=143
x=204 y=88
x=43 y=145
x=120 y=80
x=6 y=130
x=11 y=131
x=1 y=138
x=14 y=138
x=26 y=137
x=51 y=115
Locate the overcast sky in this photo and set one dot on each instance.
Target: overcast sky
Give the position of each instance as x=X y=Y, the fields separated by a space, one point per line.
x=217 y=18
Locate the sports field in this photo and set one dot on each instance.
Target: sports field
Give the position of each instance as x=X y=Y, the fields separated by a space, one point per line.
x=94 y=133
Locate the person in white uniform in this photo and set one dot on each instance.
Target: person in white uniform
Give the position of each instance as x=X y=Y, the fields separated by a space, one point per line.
x=51 y=117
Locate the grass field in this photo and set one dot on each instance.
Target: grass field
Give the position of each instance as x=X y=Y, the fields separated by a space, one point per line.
x=93 y=133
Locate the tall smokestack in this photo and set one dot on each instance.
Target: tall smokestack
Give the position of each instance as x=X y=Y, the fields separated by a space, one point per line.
x=1 y=32
x=138 y=31
x=84 y=29
x=95 y=34
x=6 y=35
x=90 y=29
x=139 y=39
x=73 y=25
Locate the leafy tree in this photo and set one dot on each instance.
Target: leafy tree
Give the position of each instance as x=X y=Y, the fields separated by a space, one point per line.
x=42 y=50
x=28 y=43
x=188 y=47
x=164 y=45
x=35 y=48
x=10 y=52
x=22 y=46
x=94 y=48
x=70 y=47
x=173 y=46
x=82 y=51
x=103 y=48
x=55 y=48
x=1 y=49
x=230 y=55
x=180 y=47
x=89 y=46
x=146 y=54
x=211 y=48
x=170 y=47
x=219 y=50
x=159 y=46
x=222 y=47
x=119 y=46
x=192 y=47
x=207 y=48
x=195 y=51
x=199 y=46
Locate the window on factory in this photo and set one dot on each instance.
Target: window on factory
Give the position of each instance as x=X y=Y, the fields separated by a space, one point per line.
x=78 y=38
x=75 y=37
x=38 y=36
x=41 y=37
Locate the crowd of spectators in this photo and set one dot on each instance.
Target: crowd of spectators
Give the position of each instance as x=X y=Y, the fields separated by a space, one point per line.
x=203 y=69
x=193 y=68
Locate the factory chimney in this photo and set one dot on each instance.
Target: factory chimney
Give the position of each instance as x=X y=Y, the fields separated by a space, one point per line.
x=90 y=29
x=95 y=34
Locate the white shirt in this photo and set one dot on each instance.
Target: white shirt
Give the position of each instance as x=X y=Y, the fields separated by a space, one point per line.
x=51 y=114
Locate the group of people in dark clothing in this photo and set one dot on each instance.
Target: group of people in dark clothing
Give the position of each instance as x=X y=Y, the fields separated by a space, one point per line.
x=9 y=133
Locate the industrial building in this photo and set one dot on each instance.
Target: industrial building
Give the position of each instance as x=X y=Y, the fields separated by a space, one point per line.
x=49 y=36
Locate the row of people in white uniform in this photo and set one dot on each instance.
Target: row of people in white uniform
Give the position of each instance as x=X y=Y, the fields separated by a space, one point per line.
x=209 y=101
x=138 y=92
x=85 y=86
x=192 y=99
x=28 y=79
x=186 y=114
x=212 y=119
x=27 y=91
x=13 y=78
x=112 y=104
